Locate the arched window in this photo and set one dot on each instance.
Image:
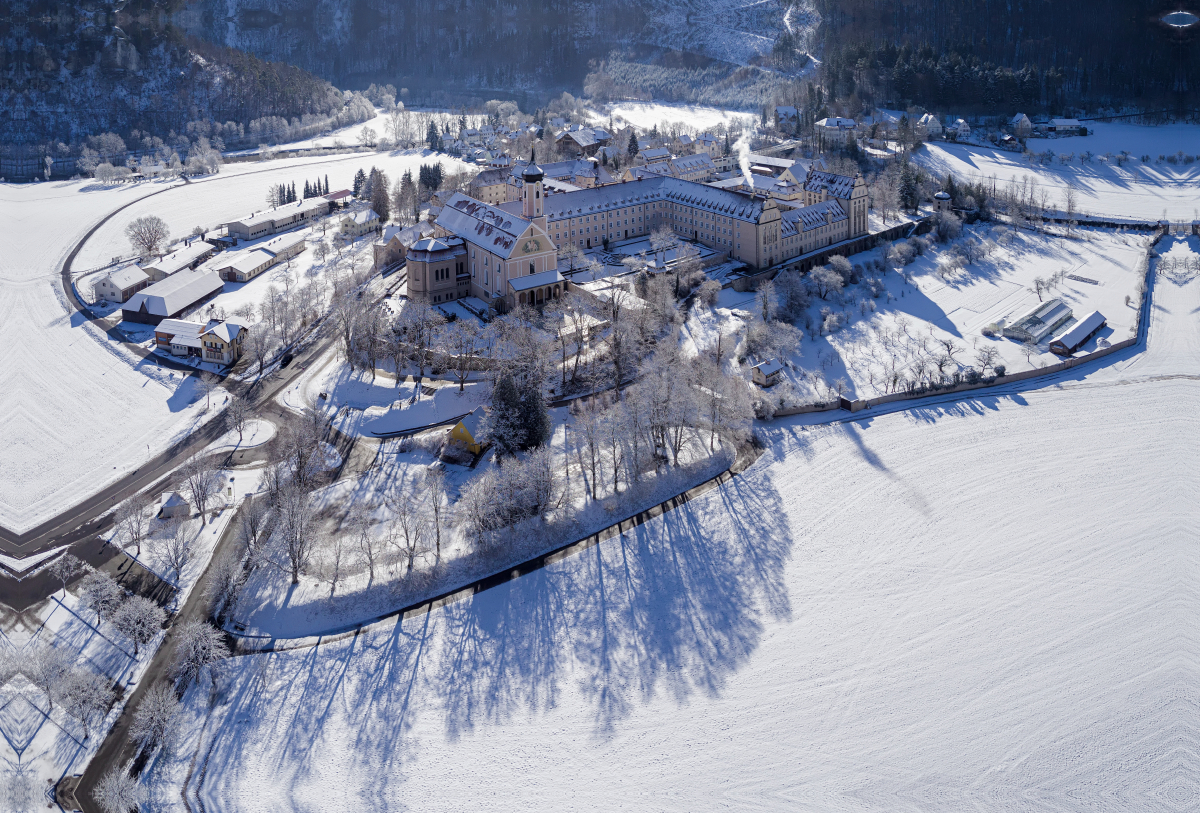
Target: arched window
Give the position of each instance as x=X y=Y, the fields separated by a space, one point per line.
x=531 y=268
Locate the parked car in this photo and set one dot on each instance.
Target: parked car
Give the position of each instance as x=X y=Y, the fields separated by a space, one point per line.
x=286 y=360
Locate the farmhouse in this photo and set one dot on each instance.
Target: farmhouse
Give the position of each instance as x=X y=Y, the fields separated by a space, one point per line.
x=220 y=340
x=1066 y=127
x=582 y=141
x=358 y=223
x=121 y=283
x=836 y=130
x=929 y=127
x=1021 y=126
x=1078 y=334
x=171 y=297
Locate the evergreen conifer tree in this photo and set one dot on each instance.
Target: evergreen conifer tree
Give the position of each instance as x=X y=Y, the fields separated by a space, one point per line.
x=506 y=432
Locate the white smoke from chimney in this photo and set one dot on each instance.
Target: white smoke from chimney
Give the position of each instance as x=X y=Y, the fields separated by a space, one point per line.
x=741 y=148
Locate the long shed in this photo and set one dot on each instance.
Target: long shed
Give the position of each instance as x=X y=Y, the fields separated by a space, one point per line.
x=1078 y=334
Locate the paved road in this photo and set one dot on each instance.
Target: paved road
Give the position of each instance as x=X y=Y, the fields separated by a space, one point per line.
x=117 y=748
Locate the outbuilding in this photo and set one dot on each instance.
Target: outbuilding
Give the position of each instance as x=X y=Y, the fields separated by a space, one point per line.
x=120 y=284
x=171 y=297
x=1078 y=334
x=767 y=373
x=469 y=431
x=172 y=504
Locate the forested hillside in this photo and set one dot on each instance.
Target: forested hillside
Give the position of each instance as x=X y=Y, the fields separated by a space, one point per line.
x=1036 y=54
x=71 y=70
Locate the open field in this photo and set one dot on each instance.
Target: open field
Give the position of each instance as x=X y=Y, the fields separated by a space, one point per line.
x=976 y=603
x=1136 y=191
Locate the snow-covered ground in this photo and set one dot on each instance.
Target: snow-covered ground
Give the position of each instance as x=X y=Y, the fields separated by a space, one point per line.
x=983 y=603
x=645 y=115
x=78 y=410
x=241 y=189
x=901 y=329
x=1135 y=191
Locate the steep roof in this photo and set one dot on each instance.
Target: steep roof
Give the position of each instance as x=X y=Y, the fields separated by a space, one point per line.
x=224 y=329
x=692 y=163
x=487 y=226
x=474 y=422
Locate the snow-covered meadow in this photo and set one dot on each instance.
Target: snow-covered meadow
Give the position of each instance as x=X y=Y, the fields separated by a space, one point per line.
x=79 y=410
x=1137 y=191
x=902 y=329
x=646 y=115
x=979 y=602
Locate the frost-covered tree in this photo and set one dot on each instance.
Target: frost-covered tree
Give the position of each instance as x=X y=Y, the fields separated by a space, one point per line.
x=202 y=483
x=67 y=567
x=47 y=667
x=139 y=619
x=825 y=281
x=793 y=295
x=435 y=487
x=118 y=792
x=100 y=594
x=147 y=234
x=85 y=696
x=154 y=718
x=198 y=645
x=177 y=547
x=133 y=521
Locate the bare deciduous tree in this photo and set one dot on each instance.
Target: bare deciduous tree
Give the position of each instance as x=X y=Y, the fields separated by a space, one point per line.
x=85 y=696
x=177 y=547
x=133 y=520
x=435 y=486
x=202 y=483
x=67 y=567
x=118 y=792
x=147 y=234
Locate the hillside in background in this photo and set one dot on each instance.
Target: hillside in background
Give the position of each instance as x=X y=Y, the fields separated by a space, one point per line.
x=991 y=53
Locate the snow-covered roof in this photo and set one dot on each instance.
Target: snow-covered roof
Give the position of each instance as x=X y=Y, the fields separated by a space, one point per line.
x=490 y=177
x=179 y=328
x=126 y=276
x=656 y=153
x=486 y=226
x=432 y=249
x=693 y=163
x=474 y=422
x=173 y=499
x=838 y=186
x=282 y=243
x=769 y=367
x=247 y=262
x=1065 y=123
x=519 y=284
x=837 y=122
x=362 y=216
x=224 y=329
x=176 y=292
x=181 y=258
x=287 y=210
x=814 y=216
x=771 y=161
x=1017 y=119
x=785 y=111
x=1080 y=331
x=652 y=189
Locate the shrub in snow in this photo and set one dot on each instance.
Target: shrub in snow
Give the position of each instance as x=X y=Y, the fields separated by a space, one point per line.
x=901 y=254
x=999 y=370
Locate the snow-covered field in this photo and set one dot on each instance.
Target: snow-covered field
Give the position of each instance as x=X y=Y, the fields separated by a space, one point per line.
x=912 y=316
x=982 y=603
x=1135 y=191
x=241 y=189
x=78 y=411
x=645 y=115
